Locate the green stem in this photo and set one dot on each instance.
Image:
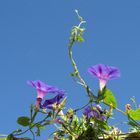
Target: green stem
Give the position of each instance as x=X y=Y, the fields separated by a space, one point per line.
x=31 y=111
x=32 y=134
x=136 y=123
x=34 y=115
x=69 y=131
x=30 y=127
x=76 y=71
x=124 y=113
x=121 y=111
x=82 y=107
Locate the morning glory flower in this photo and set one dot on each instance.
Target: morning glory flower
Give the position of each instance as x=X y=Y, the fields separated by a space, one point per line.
x=95 y=111
x=55 y=100
x=87 y=112
x=43 y=89
x=104 y=73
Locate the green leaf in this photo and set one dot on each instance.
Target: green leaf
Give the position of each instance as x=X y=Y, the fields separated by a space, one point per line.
x=109 y=98
x=3 y=138
x=72 y=74
x=103 y=124
x=75 y=121
x=24 y=121
x=134 y=114
x=9 y=137
x=42 y=127
x=80 y=38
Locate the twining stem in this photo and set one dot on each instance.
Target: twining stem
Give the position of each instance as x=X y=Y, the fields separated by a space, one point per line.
x=121 y=111
x=82 y=107
x=72 y=41
x=32 y=134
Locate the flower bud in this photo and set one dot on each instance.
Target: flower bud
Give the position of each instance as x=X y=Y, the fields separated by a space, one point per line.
x=62 y=104
x=128 y=107
x=54 y=106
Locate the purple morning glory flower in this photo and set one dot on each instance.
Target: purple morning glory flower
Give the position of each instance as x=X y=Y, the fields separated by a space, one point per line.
x=49 y=103
x=43 y=89
x=95 y=111
x=104 y=73
x=87 y=112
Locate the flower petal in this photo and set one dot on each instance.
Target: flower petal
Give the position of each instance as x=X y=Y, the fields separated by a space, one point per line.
x=48 y=103
x=104 y=72
x=39 y=85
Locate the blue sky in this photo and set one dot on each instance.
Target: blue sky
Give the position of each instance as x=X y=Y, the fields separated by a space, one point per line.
x=33 y=45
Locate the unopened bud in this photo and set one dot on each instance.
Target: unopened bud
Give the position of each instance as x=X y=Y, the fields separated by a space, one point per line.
x=62 y=104
x=116 y=131
x=54 y=106
x=70 y=113
x=82 y=30
x=128 y=107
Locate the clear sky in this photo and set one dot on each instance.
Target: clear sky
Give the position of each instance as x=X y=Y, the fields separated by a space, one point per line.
x=33 y=45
